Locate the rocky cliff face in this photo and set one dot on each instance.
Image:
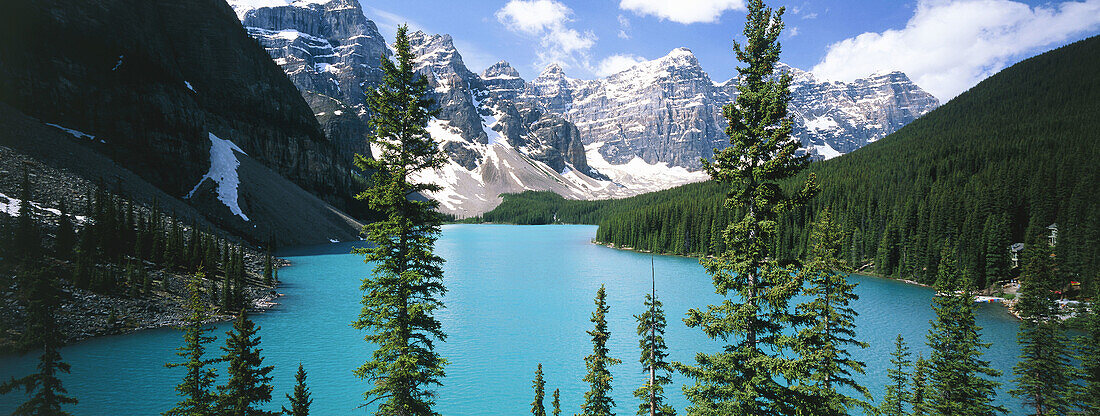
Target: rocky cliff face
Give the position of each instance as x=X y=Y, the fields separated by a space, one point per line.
x=331 y=52
x=665 y=110
x=153 y=82
x=669 y=110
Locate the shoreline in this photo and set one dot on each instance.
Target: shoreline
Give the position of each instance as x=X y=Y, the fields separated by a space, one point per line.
x=84 y=314
x=1006 y=303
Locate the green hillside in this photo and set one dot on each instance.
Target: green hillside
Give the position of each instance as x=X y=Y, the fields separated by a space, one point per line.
x=994 y=166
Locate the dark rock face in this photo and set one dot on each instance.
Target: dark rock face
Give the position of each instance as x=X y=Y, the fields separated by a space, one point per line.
x=153 y=80
x=332 y=53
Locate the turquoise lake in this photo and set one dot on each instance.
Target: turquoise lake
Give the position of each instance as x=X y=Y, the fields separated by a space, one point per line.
x=518 y=296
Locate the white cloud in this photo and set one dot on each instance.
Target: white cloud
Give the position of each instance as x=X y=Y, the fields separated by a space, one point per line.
x=949 y=46
x=616 y=63
x=682 y=11
x=624 y=25
x=546 y=20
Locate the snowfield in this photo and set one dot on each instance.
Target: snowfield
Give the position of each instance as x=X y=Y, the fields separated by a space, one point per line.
x=223 y=171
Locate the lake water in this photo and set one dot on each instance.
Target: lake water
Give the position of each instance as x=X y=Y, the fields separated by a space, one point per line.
x=518 y=296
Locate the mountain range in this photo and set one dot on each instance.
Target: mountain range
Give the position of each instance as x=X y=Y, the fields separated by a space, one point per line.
x=231 y=115
x=636 y=131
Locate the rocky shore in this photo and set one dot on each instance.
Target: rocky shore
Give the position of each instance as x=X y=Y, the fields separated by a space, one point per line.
x=85 y=314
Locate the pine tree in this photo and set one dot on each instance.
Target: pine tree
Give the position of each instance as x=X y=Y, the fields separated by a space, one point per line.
x=997 y=240
x=146 y=282
x=893 y=402
x=132 y=282
x=404 y=289
x=556 y=404
x=920 y=388
x=651 y=329
x=85 y=259
x=1087 y=395
x=537 y=408
x=249 y=383
x=1044 y=374
x=300 y=401
x=827 y=324
x=960 y=381
x=198 y=399
x=267 y=269
x=743 y=378
x=27 y=243
x=597 y=400
x=66 y=234
x=47 y=395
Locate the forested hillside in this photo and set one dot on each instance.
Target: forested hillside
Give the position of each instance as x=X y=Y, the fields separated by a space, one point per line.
x=994 y=166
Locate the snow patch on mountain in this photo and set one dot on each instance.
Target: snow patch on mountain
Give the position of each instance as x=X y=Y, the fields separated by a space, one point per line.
x=241 y=7
x=223 y=171
x=75 y=133
x=825 y=151
x=638 y=177
x=821 y=123
x=10 y=206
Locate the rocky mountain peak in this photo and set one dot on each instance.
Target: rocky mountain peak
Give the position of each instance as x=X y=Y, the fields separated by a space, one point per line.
x=553 y=71
x=680 y=57
x=438 y=53
x=503 y=81
x=500 y=69
x=798 y=76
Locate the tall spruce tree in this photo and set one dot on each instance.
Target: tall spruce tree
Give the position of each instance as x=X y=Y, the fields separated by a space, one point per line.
x=825 y=367
x=654 y=357
x=556 y=403
x=745 y=377
x=404 y=290
x=47 y=395
x=919 y=397
x=597 y=400
x=1087 y=394
x=196 y=388
x=897 y=394
x=299 y=401
x=27 y=242
x=1044 y=374
x=537 y=406
x=249 y=384
x=66 y=234
x=267 y=269
x=959 y=380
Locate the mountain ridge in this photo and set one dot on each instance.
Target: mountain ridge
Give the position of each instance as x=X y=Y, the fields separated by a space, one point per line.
x=645 y=127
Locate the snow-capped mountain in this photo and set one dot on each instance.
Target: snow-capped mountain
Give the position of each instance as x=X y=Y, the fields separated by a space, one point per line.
x=331 y=52
x=640 y=130
x=669 y=110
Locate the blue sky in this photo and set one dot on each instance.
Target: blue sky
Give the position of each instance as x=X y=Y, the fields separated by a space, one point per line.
x=946 y=46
